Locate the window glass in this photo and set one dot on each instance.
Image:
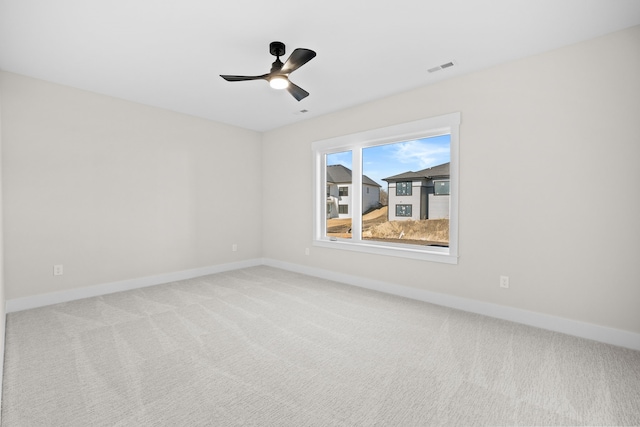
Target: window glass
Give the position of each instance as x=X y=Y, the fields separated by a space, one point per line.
x=408 y=215
x=338 y=180
x=403 y=188
x=442 y=187
x=403 y=210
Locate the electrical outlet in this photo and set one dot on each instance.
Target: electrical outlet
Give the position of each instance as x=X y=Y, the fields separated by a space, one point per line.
x=234 y=247
x=504 y=281
x=58 y=270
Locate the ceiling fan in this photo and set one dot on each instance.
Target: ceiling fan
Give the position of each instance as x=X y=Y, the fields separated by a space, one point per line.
x=278 y=77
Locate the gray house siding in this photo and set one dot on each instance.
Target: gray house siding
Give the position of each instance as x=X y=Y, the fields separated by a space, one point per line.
x=438 y=206
x=414 y=200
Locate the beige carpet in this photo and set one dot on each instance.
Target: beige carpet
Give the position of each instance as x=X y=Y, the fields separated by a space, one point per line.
x=266 y=347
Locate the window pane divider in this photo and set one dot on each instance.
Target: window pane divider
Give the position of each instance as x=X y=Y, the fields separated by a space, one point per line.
x=356 y=198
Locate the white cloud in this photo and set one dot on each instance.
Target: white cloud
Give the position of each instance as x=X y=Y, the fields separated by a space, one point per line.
x=420 y=153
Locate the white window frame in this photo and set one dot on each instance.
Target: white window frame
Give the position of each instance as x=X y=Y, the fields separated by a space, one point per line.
x=426 y=128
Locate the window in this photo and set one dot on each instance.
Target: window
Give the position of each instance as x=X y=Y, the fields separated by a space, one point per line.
x=403 y=210
x=343 y=191
x=403 y=188
x=343 y=209
x=417 y=150
x=441 y=188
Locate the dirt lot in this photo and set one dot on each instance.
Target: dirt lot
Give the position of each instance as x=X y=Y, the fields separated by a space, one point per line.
x=376 y=227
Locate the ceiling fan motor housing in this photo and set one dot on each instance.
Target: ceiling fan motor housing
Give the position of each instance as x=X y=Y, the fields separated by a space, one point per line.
x=276 y=48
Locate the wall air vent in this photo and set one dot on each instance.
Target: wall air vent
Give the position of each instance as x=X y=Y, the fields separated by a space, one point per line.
x=441 y=67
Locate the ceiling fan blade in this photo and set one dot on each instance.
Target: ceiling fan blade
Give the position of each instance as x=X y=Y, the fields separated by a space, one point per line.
x=298 y=58
x=242 y=78
x=297 y=92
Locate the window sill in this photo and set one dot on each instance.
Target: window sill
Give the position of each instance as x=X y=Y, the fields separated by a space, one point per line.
x=427 y=253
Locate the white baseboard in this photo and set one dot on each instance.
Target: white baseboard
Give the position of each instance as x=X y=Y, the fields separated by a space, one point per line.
x=576 y=328
x=25 y=303
x=553 y=323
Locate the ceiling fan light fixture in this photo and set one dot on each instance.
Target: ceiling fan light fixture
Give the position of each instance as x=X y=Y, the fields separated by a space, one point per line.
x=278 y=77
x=279 y=82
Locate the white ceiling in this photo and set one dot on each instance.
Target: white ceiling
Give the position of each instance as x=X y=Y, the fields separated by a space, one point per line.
x=169 y=53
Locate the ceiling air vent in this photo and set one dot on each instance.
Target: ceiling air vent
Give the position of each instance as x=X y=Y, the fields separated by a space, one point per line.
x=441 y=67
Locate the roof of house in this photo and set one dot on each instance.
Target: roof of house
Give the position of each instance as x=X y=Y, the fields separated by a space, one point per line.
x=439 y=171
x=341 y=174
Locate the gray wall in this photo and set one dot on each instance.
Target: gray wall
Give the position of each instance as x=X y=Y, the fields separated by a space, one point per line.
x=438 y=206
x=115 y=190
x=558 y=113
x=2 y=293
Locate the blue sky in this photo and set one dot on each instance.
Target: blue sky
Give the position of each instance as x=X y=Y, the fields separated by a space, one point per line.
x=391 y=159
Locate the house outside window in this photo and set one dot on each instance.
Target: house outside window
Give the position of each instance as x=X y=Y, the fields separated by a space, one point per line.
x=430 y=195
x=403 y=188
x=343 y=191
x=343 y=209
x=403 y=210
